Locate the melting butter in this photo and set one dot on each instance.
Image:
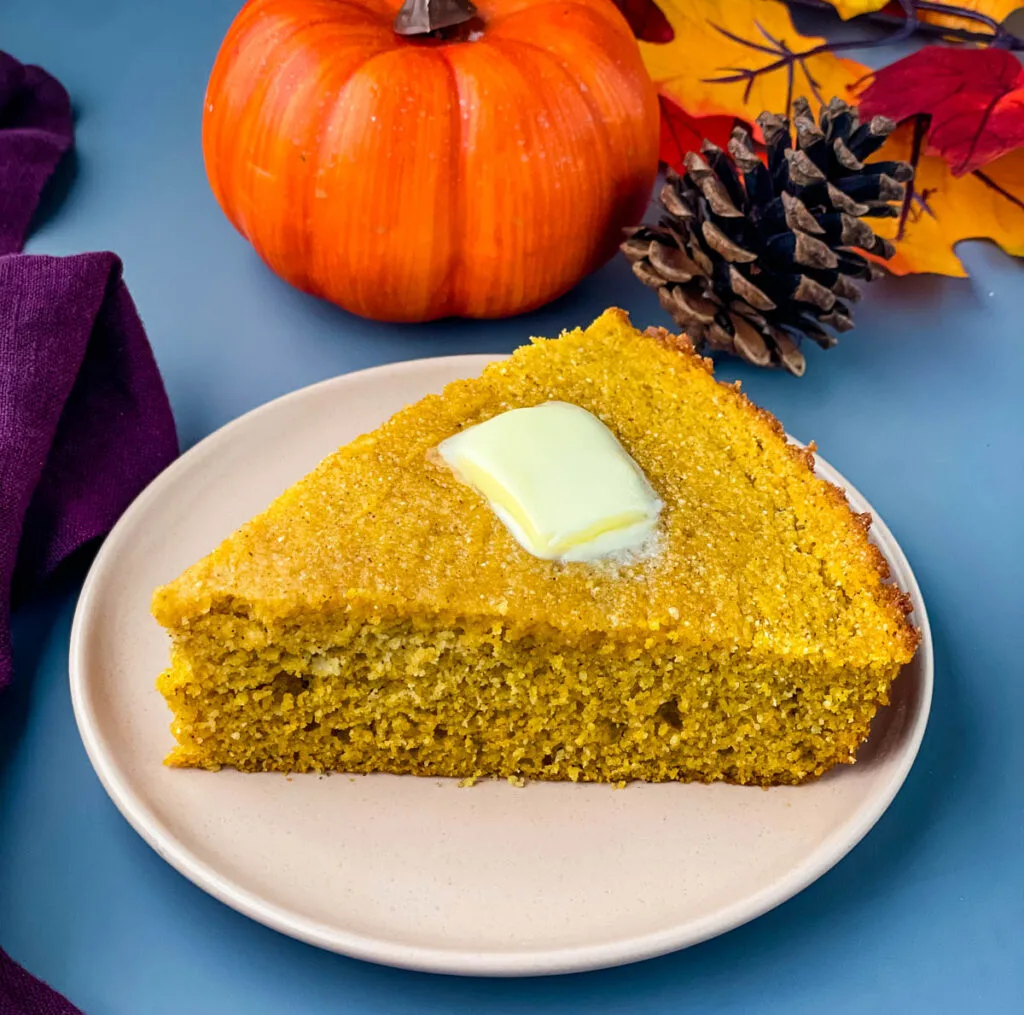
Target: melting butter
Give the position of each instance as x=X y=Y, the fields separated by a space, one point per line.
x=559 y=480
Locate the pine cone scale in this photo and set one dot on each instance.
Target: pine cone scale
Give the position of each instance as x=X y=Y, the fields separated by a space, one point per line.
x=751 y=345
x=746 y=290
x=798 y=217
x=717 y=240
x=647 y=274
x=809 y=291
x=671 y=263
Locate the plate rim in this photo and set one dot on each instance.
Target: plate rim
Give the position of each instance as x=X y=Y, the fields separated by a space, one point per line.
x=460 y=961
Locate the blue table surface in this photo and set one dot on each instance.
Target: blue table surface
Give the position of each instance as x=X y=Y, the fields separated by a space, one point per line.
x=920 y=407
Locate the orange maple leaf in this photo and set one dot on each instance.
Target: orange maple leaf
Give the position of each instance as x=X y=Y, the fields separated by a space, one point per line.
x=945 y=209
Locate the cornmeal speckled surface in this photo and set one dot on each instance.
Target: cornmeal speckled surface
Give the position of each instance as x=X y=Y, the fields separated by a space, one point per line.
x=758 y=553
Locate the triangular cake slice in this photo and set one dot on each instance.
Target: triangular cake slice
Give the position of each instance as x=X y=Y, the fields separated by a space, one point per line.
x=380 y=617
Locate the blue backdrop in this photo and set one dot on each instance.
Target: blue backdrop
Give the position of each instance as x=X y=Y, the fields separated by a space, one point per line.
x=920 y=407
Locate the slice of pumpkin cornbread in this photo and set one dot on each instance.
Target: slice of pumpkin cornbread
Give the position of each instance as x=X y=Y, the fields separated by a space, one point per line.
x=379 y=616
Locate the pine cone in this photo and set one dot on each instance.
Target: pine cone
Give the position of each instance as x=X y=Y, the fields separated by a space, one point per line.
x=749 y=259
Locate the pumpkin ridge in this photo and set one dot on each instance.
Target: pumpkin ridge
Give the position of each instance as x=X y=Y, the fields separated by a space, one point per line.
x=381 y=11
x=583 y=42
x=607 y=12
x=370 y=70
x=220 y=142
x=271 y=26
x=458 y=222
x=335 y=80
x=359 y=8
x=529 y=71
x=595 y=111
x=596 y=114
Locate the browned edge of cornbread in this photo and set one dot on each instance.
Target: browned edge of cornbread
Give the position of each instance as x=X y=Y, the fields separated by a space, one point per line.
x=890 y=595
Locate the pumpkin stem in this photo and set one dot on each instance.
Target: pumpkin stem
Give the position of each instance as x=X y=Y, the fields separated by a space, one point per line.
x=421 y=17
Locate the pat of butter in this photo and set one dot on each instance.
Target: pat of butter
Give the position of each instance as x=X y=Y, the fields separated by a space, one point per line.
x=559 y=480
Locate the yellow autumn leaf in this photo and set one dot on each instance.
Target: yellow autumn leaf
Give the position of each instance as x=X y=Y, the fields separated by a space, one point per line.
x=746 y=40
x=997 y=10
x=854 y=8
x=988 y=204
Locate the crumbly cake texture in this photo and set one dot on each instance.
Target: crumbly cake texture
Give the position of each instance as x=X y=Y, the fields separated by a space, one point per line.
x=378 y=617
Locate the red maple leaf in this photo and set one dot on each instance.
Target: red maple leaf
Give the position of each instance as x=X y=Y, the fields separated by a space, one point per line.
x=646 y=20
x=682 y=133
x=975 y=98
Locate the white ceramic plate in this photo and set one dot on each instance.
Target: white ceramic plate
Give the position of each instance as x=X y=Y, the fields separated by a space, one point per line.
x=493 y=880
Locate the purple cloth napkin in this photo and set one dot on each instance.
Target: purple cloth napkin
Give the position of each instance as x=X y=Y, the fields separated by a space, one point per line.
x=35 y=131
x=84 y=420
x=22 y=994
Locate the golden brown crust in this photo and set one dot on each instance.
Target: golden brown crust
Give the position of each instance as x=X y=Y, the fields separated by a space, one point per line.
x=889 y=595
x=680 y=343
x=356 y=528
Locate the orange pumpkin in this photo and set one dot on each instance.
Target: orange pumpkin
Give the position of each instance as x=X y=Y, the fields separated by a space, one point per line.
x=409 y=178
